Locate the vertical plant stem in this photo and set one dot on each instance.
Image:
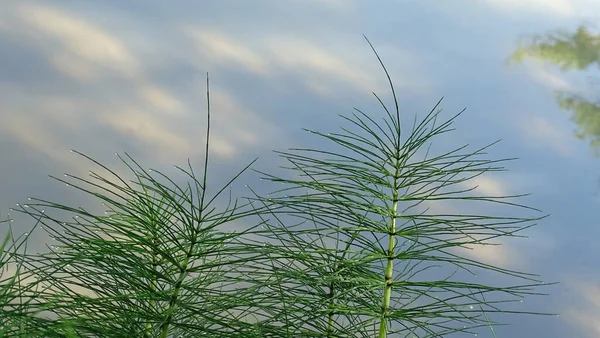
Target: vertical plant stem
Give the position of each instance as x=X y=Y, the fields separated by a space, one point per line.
x=389 y=270
x=172 y=303
x=331 y=310
x=184 y=266
x=153 y=285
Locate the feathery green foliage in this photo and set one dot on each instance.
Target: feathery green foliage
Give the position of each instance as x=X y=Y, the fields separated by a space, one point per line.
x=362 y=266
x=351 y=247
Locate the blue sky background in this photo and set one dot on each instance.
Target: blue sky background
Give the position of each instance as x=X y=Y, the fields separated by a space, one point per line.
x=112 y=76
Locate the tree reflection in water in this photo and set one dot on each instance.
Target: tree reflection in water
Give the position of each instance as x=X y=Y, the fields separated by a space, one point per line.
x=578 y=51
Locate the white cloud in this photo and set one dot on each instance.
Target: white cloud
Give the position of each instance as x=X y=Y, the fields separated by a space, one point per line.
x=492 y=253
x=497 y=255
x=337 y=4
x=564 y=9
x=585 y=317
x=237 y=127
x=140 y=125
x=222 y=48
x=85 y=49
x=543 y=75
x=160 y=99
x=144 y=111
x=330 y=68
x=319 y=67
x=34 y=131
x=555 y=7
x=326 y=68
x=487 y=186
x=522 y=254
x=540 y=132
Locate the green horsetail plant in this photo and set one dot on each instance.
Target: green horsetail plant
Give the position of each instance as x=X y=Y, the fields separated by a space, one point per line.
x=17 y=317
x=154 y=264
x=367 y=254
x=11 y=315
x=352 y=247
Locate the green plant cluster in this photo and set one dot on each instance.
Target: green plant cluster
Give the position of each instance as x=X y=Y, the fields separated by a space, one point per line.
x=348 y=248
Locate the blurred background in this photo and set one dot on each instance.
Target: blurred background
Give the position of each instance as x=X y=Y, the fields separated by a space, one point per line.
x=130 y=76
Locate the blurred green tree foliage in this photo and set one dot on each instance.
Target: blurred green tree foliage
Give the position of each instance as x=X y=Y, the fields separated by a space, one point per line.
x=578 y=51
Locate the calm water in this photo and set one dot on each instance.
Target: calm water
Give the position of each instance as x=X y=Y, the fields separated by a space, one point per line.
x=109 y=76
